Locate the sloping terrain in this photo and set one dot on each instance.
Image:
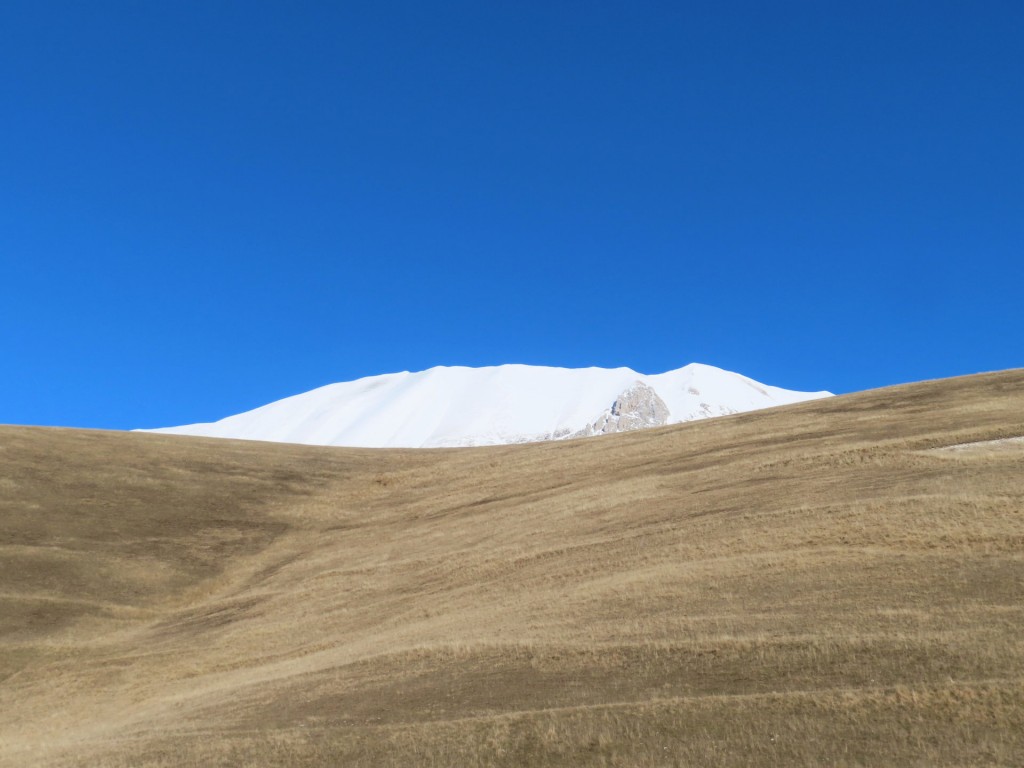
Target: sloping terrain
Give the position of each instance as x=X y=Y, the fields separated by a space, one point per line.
x=825 y=583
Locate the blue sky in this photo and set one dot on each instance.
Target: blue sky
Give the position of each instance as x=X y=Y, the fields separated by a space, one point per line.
x=208 y=206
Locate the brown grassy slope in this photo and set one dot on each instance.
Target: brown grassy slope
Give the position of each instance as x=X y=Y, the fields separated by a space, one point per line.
x=812 y=584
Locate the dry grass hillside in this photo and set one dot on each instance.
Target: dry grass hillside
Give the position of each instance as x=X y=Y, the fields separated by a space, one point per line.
x=828 y=583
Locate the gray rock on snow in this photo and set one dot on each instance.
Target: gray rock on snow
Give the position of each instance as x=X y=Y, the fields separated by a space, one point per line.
x=639 y=407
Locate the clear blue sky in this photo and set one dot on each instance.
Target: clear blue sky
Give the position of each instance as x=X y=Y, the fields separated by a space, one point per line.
x=206 y=206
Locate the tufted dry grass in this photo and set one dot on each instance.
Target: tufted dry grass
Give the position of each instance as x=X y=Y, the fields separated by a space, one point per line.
x=827 y=583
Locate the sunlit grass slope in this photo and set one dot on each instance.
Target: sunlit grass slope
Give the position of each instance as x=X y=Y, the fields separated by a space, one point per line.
x=826 y=583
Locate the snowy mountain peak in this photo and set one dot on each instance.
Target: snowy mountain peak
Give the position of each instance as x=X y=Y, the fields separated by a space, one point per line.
x=460 y=406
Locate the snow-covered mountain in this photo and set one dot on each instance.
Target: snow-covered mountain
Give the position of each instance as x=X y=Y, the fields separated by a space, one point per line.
x=459 y=406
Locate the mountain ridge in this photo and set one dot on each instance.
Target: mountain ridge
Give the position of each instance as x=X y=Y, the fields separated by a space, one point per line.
x=461 y=406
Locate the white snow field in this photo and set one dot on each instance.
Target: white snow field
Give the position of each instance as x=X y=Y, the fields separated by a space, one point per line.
x=459 y=406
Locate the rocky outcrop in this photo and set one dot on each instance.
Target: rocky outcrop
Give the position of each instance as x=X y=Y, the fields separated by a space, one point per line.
x=639 y=407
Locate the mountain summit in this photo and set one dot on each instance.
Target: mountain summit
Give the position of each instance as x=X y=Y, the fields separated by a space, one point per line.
x=459 y=406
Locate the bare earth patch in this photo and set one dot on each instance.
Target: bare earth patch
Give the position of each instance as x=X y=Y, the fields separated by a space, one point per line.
x=1006 y=443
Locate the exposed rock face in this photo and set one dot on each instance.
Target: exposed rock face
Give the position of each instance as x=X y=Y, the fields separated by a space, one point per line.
x=639 y=407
